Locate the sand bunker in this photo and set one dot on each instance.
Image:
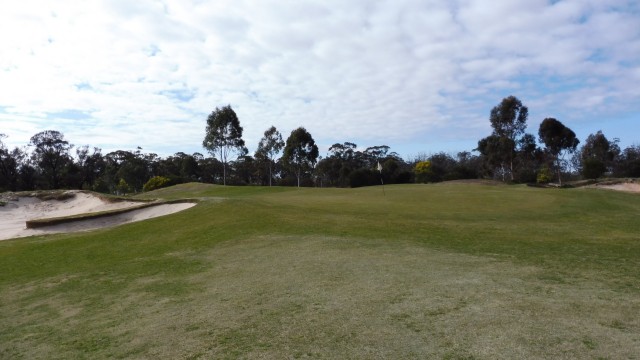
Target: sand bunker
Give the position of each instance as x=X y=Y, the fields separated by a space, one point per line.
x=19 y=210
x=629 y=187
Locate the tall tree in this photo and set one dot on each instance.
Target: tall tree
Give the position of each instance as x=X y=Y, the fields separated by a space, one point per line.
x=529 y=157
x=269 y=146
x=131 y=167
x=341 y=161
x=300 y=152
x=509 y=120
x=629 y=162
x=27 y=173
x=343 y=151
x=8 y=168
x=51 y=154
x=91 y=165
x=223 y=136
x=598 y=155
x=495 y=152
x=374 y=154
x=244 y=169
x=558 y=139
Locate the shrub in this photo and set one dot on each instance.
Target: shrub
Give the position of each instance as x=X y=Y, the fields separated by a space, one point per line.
x=423 y=171
x=156 y=182
x=544 y=176
x=363 y=177
x=593 y=168
x=123 y=187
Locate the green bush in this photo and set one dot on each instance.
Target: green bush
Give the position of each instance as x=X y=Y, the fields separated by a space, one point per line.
x=122 y=187
x=544 y=176
x=363 y=177
x=593 y=168
x=156 y=182
x=424 y=172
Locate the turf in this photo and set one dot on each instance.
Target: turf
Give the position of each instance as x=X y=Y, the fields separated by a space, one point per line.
x=452 y=271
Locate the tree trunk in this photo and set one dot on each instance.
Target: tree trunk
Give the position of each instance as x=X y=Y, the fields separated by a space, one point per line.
x=223 y=160
x=559 y=174
x=511 y=168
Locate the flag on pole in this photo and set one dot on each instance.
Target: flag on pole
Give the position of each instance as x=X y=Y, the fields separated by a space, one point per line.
x=381 y=181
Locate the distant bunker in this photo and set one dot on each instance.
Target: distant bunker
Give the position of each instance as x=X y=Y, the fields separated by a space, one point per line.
x=26 y=214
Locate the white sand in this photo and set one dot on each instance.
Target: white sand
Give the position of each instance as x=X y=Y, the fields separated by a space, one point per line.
x=16 y=212
x=629 y=187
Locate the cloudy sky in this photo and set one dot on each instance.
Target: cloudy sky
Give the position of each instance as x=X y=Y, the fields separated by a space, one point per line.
x=419 y=76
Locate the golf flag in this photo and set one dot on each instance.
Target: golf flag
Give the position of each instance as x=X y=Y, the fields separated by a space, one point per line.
x=381 y=181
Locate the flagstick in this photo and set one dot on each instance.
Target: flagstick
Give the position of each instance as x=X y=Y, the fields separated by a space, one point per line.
x=381 y=180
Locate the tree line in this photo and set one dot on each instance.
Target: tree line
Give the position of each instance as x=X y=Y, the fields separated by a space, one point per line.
x=511 y=154
x=508 y=154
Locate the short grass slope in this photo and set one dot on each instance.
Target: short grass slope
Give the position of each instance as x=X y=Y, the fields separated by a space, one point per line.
x=451 y=271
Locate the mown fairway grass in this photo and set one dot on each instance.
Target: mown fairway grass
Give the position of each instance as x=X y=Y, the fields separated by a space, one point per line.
x=451 y=271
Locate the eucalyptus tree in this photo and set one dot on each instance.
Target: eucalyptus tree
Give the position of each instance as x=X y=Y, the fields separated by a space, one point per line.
x=342 y=159
x=91 y=165
x=300 y=152
x=598 y=155
x=132 y=168
x=51 y=154
x=557 y=139
x=628 y=163
x=509 y=120
x=375 y=154
x=8 y=168
x=223 y=136
x=495 y=153
x=270 y=145
x=529 y=158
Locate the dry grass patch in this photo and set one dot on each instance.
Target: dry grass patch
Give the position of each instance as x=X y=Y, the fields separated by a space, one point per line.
x=285 y=297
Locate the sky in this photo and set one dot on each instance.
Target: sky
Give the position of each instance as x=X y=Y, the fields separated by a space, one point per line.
x=418 y=76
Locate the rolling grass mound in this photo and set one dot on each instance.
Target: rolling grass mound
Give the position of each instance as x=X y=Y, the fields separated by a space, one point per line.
x=452 y=271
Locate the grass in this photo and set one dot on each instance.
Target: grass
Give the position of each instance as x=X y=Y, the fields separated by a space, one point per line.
x=450 y=271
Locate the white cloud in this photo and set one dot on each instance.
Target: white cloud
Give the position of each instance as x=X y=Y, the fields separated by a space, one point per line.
x=397 y=72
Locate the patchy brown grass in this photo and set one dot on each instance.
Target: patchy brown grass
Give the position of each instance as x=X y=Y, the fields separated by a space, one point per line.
x=320 y=297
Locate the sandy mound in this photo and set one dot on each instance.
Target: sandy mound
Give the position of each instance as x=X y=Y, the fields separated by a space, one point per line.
x=629 y=187
x=17 y=211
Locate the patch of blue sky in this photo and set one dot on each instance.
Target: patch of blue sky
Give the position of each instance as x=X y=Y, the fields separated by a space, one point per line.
x=598 y=56
x=623 y=127
x=83 y=86
x=551 y=83
x=152 y=50
x=183 y=95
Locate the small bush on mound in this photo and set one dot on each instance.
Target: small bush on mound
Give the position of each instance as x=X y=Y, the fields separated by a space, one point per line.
x=156 y=182
x=55 y=195
x=544 y=176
